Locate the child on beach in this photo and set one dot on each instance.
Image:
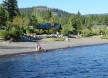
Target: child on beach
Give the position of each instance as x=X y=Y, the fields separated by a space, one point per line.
x=38 y=47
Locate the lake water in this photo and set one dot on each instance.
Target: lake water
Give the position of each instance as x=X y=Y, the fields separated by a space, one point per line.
x=81 y=62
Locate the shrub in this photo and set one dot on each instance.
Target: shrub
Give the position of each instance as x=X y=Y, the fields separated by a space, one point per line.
x=65 y=31
x=15 y=33
x=28 y=31
x=86 y=32
x=52 y=31
x=96 y=31
x=37 y=32
x=3 y=34
x=103 y=32
x=104 y=37
x=44 y=32
x=106 y=31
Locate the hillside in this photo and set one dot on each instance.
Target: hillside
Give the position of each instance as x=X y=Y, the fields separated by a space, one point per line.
x=42 y=9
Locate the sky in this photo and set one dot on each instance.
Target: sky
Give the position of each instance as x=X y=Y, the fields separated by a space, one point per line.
x=72 y=6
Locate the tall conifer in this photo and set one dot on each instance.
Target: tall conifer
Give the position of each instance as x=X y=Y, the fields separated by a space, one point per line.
x=11 y=7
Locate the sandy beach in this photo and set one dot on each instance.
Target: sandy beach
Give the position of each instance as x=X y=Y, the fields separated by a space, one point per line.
x=7 y=48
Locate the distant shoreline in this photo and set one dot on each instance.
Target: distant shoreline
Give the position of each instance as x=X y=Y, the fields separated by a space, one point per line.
x=29 y=47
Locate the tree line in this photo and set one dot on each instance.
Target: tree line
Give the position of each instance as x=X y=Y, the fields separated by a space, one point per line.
x=19 y=20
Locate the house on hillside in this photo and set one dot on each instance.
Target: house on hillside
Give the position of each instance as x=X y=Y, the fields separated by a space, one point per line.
x=48 y=26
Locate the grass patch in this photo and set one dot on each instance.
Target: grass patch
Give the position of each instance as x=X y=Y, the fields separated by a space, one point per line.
x=104 y=37
x=54 y=39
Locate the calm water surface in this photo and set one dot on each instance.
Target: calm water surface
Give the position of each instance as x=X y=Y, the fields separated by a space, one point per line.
x=82 y=62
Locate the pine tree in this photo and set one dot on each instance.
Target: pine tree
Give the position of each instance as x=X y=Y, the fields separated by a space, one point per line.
x=11 y=7
x=3 y=16
x=47 y=15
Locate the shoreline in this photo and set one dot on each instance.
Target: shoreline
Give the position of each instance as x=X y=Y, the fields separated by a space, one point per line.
x=32 y=52
x=8 y=49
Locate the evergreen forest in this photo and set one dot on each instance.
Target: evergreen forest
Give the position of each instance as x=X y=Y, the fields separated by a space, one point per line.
x=17 y=21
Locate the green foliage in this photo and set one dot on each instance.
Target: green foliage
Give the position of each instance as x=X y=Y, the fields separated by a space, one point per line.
x=3 y=34
x=15 y=33
x=52 y=31
x=21 y=22
x=40 y=19
x=3 y=16
x=11 y=7
x=47 y=15
x=9 y=24
x=33 y=21
x=29 y=31
x=86 y=32
x=42 y=32
x=96 y=31
x=67 y=29
x=106 y=31
x=40 y=11
x=104 y=37
x=77 y=21
x=71 y=23
x=36 y=31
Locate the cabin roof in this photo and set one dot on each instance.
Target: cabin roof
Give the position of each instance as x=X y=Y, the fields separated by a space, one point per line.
x=48 y=26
